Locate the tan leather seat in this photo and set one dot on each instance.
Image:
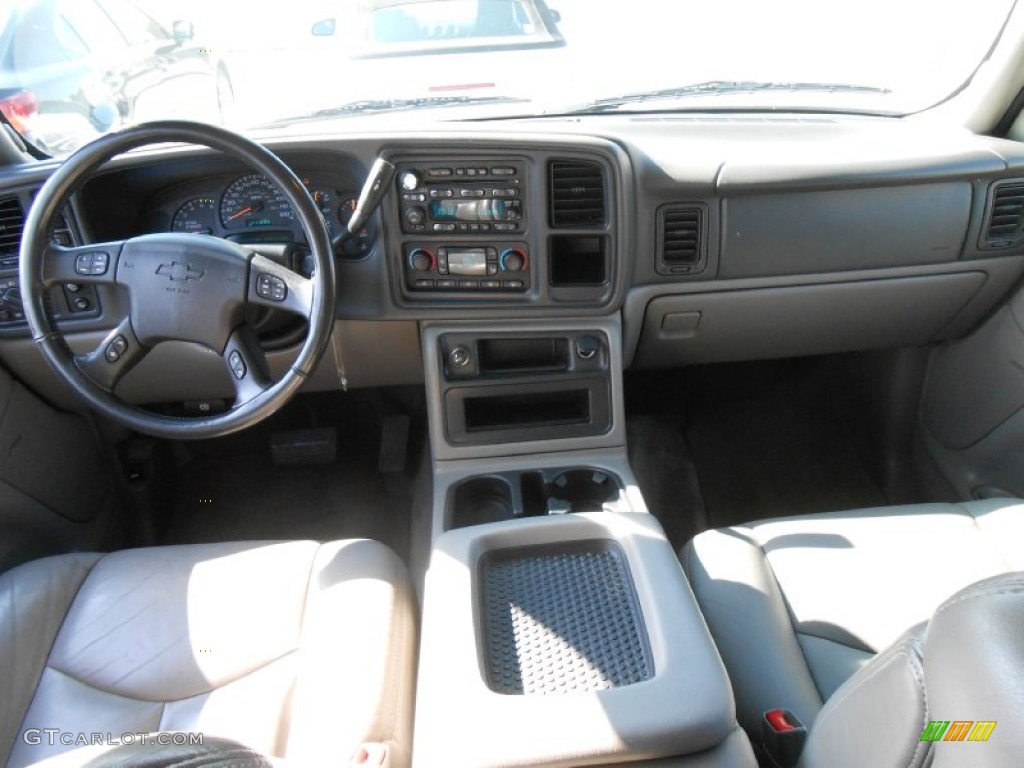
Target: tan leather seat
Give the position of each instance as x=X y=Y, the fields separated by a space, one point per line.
x=805 y=610
x=302 y=651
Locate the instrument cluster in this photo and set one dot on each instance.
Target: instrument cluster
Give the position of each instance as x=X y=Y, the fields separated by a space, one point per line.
x=252 y=209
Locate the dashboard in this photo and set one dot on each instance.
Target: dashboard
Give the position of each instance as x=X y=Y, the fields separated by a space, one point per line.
x=712 y=238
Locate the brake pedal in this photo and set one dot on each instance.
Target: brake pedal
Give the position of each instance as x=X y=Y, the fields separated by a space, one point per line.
x=304 y=446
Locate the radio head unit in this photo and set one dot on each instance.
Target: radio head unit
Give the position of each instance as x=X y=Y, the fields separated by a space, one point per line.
x=452 y=198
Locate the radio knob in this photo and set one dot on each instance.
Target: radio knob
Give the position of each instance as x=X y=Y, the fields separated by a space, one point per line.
x=410 y=181
x=513 y=260
x=421 y=260
x=415 y=216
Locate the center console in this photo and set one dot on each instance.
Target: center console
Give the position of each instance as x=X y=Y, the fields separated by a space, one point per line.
x=558 y=626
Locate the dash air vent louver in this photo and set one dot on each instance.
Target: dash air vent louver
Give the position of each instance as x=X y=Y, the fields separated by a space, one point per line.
x=12 y=222
x=680 y=239
x=1006 y=215
x=577 y=194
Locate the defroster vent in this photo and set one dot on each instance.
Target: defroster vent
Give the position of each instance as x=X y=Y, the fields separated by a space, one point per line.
x=1006 y=215
x=680 y=239
x=577 y=194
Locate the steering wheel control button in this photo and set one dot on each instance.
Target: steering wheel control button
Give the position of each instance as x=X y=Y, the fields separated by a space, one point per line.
x=271 y=287
x=92 y=264
x=115 y=349
x=237 y=365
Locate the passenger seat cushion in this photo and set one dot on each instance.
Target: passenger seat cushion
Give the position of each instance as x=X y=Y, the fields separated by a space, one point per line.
x=797 y=605
x=746 y=613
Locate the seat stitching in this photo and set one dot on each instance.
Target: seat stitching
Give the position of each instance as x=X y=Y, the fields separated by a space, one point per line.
x=989 y=592
x=232 y=681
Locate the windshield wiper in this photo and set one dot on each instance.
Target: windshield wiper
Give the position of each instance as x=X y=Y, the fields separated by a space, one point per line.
x=713 y=87
x=376 y=106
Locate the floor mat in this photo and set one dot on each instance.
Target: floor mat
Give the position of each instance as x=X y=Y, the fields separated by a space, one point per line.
x=721 y=445
x=230 y=488
x=782 y=453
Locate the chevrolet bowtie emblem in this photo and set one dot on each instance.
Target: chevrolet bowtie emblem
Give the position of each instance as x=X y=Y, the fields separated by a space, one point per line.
x=180 y=271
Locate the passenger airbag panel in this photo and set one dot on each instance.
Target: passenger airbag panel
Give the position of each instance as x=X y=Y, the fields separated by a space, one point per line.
x=833 y=231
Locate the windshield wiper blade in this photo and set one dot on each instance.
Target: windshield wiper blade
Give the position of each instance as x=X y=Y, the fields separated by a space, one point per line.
x=375 y=106
x=713 y=87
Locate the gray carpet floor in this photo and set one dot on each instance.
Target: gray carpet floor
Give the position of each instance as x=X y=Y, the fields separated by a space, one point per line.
x=230 y=489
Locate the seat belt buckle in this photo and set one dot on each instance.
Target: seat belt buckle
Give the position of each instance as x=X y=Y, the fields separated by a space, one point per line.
x=371 y=754
x=783 y=737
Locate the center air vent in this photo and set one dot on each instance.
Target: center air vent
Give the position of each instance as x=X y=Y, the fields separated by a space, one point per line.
x=680 y=239
x=577 y=194
x=1006 y=215
x=12 y=222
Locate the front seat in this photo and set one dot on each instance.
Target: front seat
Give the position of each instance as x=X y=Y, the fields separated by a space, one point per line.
x=297 y=650
x=798 y=605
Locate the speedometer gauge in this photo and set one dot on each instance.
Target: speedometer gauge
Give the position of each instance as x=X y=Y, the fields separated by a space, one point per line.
x=197 y=216
x=254 y=202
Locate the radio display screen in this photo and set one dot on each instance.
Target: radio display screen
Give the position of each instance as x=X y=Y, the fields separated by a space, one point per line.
x=467 y=261
x=489 y=209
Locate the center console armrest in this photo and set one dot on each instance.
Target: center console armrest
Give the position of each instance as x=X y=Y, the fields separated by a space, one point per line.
x=564 y=641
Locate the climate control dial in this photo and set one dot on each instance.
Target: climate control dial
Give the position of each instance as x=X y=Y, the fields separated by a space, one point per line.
x=514 y=260
x=422 y=260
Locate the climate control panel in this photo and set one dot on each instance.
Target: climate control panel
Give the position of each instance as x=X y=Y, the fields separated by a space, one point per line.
x=463 y=267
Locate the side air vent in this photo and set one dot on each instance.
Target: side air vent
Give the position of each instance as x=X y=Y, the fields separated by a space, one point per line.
x=12 y=222
x=680 y=239
x=1006 y=215
x=577 y=194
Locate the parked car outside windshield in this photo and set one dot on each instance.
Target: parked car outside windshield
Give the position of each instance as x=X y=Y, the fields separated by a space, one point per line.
x=292 y=65
x=71 y=70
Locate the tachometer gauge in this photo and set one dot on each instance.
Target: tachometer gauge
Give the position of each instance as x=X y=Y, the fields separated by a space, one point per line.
x=198 y=216
x=254 y=202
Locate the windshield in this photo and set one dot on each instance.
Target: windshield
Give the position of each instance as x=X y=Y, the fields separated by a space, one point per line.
x=73 y=69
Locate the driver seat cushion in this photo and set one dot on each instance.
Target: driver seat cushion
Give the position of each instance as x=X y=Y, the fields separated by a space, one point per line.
x=797 y=605
x=297 y=650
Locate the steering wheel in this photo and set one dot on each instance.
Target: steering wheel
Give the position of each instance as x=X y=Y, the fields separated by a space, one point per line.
x=180 y=287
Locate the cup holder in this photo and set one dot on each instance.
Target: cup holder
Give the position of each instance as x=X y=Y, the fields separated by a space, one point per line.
x=531 y=493
x=581 y=490
x=482 y=500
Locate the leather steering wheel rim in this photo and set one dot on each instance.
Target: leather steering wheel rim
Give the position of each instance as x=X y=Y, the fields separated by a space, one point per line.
x=317 y=293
